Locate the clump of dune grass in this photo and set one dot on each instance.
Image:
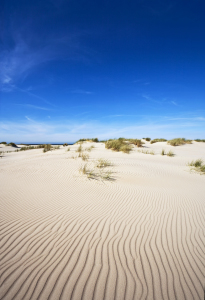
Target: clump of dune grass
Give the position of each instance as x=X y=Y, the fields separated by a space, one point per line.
x=170 y=153
x=65 y=144
x=126 y=148
x=84 y=156
x=198 y=165
x=147 y=139
x=47 y=147
x=5 y=143
x=119 y=145
x=163 y=152
x=179 y=141
x=136 y=142
x=107 y=175
x=83 y=169
x=152 y=152
x=68 y=149
x=157 y=140
x=103 y=163
x=98 y=171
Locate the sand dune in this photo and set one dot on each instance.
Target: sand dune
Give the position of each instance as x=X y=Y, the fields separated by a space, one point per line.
x=140 y=236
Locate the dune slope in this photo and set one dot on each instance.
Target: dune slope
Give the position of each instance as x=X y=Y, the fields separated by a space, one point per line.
x=139 y=236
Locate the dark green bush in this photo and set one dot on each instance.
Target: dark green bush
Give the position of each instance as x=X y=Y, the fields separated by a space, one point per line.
x=12 y=144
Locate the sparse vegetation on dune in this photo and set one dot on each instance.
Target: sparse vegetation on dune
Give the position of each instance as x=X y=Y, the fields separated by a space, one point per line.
x=47 y=148
x=147 y=139
x=79 y=149
x=65 y=144
x=5 y=143
x=68 y=149
x=103 y=163
x=157 y=140
x=89 y=148
x=12 y=145
x=84 y=156
x=179 y=141
x=136 y=142
x=92 y=173
x=198 y=140
x=198 y=165
x=147 y=152
x=31 y=147
x=95 y=140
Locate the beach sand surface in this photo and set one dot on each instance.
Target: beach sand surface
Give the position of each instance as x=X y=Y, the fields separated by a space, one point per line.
x=138 y=235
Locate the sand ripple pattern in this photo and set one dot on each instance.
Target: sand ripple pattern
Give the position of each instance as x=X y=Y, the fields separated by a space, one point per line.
x=63 y=237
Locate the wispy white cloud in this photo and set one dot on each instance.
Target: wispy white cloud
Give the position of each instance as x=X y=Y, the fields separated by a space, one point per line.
x=33 y=106
x=27 y=55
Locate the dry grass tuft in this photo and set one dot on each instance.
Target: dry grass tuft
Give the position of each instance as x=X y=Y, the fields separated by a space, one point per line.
x=84 y=156
x=170 y=153
x=163 y=152
x=198 y=165
x=103 y=163
x=79 y=149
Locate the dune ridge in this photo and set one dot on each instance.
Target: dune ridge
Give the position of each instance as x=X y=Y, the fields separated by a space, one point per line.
x=64 y=236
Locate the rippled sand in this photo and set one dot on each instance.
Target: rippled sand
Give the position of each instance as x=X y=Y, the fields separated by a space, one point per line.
x=138 y=236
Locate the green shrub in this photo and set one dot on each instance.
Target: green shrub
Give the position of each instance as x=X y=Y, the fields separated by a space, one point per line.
x=5 y=143
x=65 y=144
x=147 y=139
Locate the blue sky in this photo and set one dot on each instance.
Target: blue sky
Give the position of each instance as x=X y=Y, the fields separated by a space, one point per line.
x=76 y=69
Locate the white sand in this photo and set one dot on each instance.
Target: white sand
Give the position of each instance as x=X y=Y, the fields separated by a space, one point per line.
x=140 y=236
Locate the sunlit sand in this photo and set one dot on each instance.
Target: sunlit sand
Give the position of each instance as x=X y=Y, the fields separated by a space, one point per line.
x=137 y=234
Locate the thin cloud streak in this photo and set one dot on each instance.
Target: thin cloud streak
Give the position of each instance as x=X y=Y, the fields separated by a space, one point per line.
x=33 y=106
